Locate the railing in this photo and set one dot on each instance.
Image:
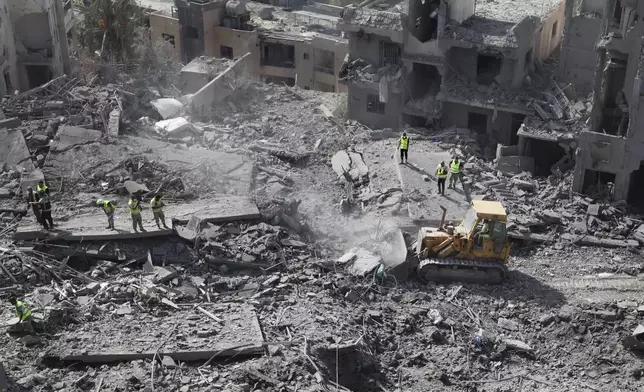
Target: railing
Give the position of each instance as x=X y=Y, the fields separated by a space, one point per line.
x=282 y=64
x=325 y=70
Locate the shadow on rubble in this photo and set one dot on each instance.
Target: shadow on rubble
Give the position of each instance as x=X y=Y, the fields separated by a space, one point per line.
x=357 y=369
x=518 y=287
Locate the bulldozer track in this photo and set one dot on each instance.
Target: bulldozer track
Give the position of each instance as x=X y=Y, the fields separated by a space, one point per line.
x=596 y=289
x=430 y=269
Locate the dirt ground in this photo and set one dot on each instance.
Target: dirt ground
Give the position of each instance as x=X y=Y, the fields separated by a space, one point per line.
x=556 y=324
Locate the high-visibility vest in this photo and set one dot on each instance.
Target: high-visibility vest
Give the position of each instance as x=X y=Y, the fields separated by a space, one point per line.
x=404 y=142
x=455 y=167
x=107 y=205
x=441 y=171
x=156 y=205
x=22 y=310
x=135 y=207
x=42 y=188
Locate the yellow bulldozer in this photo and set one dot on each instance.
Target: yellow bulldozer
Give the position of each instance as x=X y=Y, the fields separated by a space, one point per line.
x=476 y=250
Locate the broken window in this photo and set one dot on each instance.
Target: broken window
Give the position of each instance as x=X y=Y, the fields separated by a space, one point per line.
x=544 y=163
x=614 y=118
x=423 y=15
x=38 y=75
x=389 y=53
x=555 y=27
x=528 y=59
x=278 y=55
x=192 y=32
x=168 y=38
x=306 y=56
x=515 y=124
x=636 y=187
x=424 y=80
x=617 y=14
x=226 y=52
x=374 y=105
x=325 y=61
x=477 y=122
x=599 y=184
x=488 y=68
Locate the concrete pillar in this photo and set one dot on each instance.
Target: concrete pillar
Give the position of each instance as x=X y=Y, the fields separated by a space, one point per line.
x=521 y=145
x=598 y=105
x=621 y=186
x=62 y=36
x=565 y=43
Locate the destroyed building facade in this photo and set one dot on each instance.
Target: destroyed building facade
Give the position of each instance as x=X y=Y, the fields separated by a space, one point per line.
x=457 y=62
x=34 y=45
x=302 y=47
x=610 y=156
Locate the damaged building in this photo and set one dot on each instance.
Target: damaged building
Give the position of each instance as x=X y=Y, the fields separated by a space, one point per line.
x=610 y=157
x=34 y=40
x=301 y=47
x=458 y=62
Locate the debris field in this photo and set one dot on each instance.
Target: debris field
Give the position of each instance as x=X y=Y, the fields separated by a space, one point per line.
x=282 y=213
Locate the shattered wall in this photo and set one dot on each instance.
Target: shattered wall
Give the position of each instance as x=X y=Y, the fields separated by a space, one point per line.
x=578 y=56
x=550 y=33
x=217 y=89
x=164 y=27
x=40 y=38
x=357 y=103
x=498 y=124
x=197 y=26
x=8 y=67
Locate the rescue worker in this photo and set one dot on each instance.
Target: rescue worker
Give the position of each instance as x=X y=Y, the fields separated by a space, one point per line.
x=456 y=172
x=45 y=212
x=109 y=208
x=41 y=188
x=403 y=145
x=22 y=311
x=32 y=200
x=135 y=211
x=441 y=173
x=157 y=210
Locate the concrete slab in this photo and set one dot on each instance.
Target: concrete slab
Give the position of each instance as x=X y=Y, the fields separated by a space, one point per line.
x=10 y=123
x=424 y=200
x=196 y=337
x=167 y=107
x=224 y=173
x=69 y=137
x=90 y=224
x=14 y=152
x=350 y=161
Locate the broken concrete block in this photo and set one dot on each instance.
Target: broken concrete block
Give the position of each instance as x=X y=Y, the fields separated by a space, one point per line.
x=636 y=340
x=627 y=305
x=30 y=340
x=164 y=274
x=177 y=128
x=607 y=315
x=593 y=209
x=124 y=310
x=10 y=123
x=114 y=124
x=350 y=162
x=167 y=107
x=510 y=325
x=566 y=313
x=168 y=362
x=524 y=185
x=352 y=296
x=69 y=137
x=365 y=263
x=517 y=345
x=550 y=216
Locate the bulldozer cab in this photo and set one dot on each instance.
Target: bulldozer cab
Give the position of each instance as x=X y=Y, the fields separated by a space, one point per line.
x=484 y=228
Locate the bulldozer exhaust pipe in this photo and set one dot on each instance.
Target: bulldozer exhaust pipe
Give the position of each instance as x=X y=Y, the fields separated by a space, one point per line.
x=443 y=217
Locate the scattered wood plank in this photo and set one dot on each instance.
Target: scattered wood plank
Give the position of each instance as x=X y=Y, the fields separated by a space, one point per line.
x=210 y=315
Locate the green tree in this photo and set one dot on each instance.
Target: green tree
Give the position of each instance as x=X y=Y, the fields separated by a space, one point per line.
x=109 y=27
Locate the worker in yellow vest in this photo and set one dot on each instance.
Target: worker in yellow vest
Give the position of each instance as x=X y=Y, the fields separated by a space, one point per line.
x=22 y=311
x=109 y=208
x=157 y=210
x=403 y=145
x=456 y=172
x=441 y=174
x=135 y=211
